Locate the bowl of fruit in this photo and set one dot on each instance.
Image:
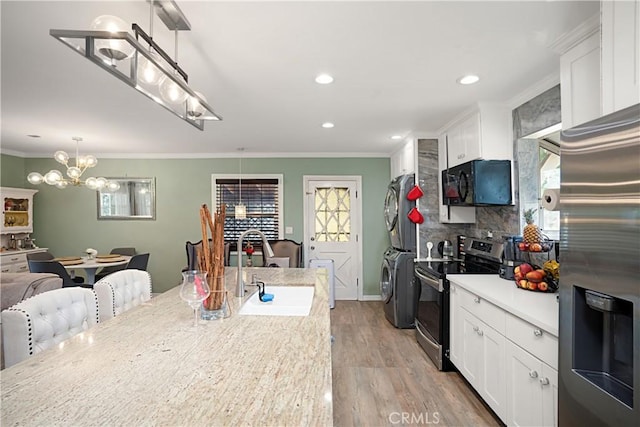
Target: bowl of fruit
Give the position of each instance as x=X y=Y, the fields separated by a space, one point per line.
x=534 y=278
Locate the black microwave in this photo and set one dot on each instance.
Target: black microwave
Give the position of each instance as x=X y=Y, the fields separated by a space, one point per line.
x=478 y=183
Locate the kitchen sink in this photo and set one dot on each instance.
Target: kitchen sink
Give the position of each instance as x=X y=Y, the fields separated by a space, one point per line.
x=287 y=301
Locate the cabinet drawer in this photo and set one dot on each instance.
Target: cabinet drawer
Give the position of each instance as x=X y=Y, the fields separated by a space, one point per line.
x=13 y=259
x=536 y=341
x=483 y=310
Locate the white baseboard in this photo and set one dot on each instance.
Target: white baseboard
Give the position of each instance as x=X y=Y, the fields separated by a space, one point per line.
x=371 y=298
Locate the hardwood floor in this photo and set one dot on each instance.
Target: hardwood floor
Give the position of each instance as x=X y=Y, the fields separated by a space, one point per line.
x=381 y=377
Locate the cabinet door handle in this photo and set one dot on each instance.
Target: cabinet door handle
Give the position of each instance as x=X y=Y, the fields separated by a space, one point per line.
x=533 y=374
x=477 y=299
x=480 y=332
x=475 y=329
x=544 y=381
x=537 y=332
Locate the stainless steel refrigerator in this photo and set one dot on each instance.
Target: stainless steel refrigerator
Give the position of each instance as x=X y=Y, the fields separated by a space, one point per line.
x=599 y=366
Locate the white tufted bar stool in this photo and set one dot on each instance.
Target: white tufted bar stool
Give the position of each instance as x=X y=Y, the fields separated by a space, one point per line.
x=121 y=291
x=45 y=320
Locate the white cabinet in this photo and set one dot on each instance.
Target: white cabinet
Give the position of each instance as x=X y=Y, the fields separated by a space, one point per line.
x=580 y=82
x=450 y=214
x=511 y=363
x=484 y=134
x=480 y=348
x=403 y=160
x=17 y=210
x=620 y=27
x=16 y=262
x=532 y=389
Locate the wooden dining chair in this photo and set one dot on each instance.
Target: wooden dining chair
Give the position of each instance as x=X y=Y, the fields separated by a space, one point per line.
x=138 y=262
x=56 y=268
x=285 y=248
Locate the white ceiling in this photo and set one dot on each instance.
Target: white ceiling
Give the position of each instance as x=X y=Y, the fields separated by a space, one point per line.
x=395 y=65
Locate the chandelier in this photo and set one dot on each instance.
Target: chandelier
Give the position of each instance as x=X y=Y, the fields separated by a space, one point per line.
x=138 y=61
x=74 y=173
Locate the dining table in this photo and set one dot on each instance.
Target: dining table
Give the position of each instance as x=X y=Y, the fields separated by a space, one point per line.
x=152 y=366
x=91 y=265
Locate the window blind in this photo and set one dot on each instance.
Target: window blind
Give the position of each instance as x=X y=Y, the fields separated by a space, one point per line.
x=260 y=196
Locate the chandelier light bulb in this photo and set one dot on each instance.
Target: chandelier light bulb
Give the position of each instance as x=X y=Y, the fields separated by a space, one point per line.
x=101 y=182
x=194 y=108
x=90 y=161
x=35 y=178
x=113 y=49
x=74 y=172
x=148 y=73
x=53 y=177
x=61 y=157
x=91 y=183
x=171 y=92
x=61 y=184
x=113 y=186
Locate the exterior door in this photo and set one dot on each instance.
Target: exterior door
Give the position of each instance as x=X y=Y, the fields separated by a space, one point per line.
x=332 y=230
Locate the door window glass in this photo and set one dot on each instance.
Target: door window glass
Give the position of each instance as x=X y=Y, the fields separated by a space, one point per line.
x=333 y=221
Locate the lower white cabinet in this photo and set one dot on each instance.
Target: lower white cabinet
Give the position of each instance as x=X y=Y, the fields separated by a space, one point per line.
x=532 y=389
x=520 y=386
x=483 y=361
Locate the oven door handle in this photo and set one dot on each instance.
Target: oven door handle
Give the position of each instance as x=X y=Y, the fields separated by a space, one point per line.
x=434 y=283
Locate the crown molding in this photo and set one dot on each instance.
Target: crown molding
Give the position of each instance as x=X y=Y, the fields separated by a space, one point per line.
x=571 y=38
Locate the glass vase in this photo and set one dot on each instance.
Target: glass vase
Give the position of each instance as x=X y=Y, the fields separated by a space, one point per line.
x=216 y=306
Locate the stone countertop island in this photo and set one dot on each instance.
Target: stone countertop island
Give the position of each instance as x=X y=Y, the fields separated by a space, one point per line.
x=150 y=366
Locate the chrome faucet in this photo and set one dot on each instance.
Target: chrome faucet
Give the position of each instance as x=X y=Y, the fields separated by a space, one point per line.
x=265 y=246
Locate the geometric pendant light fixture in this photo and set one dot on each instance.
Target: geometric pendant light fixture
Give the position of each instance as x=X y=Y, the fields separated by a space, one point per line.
x=137 y=60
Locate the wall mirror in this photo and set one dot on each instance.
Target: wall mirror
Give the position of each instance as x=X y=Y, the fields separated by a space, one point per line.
x=135 y=199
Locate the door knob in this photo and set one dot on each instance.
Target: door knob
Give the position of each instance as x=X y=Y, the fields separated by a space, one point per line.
x=313 y=238
x=312 y=247
x=533 y=374
x=544 y=381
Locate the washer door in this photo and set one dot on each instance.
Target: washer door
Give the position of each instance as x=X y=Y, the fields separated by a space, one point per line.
x=391 y=208
x=386 y=281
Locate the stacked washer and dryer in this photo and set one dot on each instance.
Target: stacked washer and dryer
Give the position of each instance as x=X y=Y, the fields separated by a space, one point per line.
x=397 y=285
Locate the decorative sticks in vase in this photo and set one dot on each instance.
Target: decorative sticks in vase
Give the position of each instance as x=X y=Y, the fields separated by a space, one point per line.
x=211 y=258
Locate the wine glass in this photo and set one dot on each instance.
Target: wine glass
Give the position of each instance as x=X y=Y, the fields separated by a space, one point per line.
x=194 y=290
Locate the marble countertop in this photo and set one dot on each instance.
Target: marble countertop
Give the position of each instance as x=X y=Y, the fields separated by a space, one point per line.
x=150 y=366
x=538 y=308
x=21 y=251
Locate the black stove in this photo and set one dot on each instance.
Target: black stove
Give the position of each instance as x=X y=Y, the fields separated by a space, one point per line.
x=477 y=256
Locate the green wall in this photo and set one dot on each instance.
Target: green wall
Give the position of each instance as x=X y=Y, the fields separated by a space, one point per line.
x=65 y=221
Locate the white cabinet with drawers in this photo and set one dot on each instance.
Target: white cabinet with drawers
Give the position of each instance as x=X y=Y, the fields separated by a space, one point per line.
x=16 y=261
x=503 y=340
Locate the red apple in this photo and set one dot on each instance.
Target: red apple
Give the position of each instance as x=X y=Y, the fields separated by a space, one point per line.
x=535 y=276
x=543 y=286
x=525 y=268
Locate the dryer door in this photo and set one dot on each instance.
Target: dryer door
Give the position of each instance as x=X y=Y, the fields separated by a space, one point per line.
x=386 y=281
x=391 y=208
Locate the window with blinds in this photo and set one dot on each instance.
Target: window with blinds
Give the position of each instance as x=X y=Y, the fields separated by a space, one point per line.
x=261 y=195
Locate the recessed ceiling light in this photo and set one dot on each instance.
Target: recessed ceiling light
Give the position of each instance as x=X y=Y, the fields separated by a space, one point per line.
x=324 y=79
x=396 y=137
x=327 y=125
x=468 y=79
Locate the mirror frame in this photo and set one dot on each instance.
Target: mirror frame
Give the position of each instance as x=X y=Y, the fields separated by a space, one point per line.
x=121 y=180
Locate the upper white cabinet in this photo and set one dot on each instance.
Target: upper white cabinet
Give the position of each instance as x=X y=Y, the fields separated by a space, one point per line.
x=580 y=80
x=620 y=27
x=403 y=160
x=17 y=210
x=450 y=214
x=484 y=134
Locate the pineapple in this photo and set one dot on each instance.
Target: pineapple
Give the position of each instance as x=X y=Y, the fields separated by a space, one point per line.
x=531 y=232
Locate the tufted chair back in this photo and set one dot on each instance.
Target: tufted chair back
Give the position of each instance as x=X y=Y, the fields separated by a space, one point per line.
x=45 y=320
x=120 y=291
